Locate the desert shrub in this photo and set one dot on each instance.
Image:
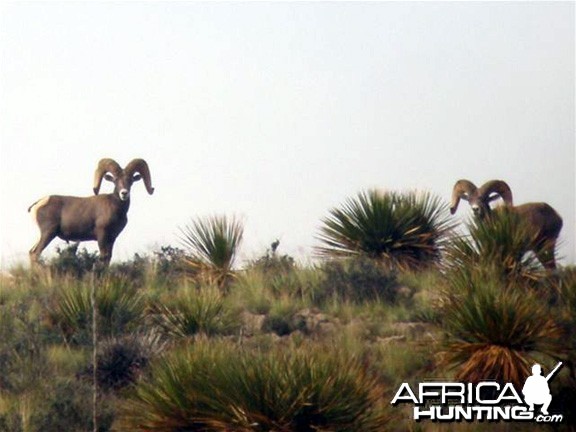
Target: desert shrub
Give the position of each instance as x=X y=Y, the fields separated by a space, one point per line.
x=163 y=267
x=120 y=308
x=357 y=280
x=221 y=387
x=194 y=311
x=135 y=271
x=169 y=262
x=73 y=262
x=259 y=291
x=279 y=319
x=251 y=290
x=37 y=387
x=22 y=358
x=272 y=262
x=67 y=406
x=122 y=359
x=402 y=231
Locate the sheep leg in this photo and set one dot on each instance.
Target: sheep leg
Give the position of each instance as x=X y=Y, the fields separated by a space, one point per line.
x=546 y=255
x=105 y=246
x=45 y=239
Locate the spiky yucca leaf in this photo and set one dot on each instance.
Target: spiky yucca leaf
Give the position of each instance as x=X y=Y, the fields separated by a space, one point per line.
x=496 y=332
x=120 y=307
x=194 y=311
x=213 y=245
x=221 y=387
x=499 y=246
x=401 y=230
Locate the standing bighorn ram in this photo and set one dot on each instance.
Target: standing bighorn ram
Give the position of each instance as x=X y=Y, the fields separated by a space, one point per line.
x=544 y=222
x=99 y=217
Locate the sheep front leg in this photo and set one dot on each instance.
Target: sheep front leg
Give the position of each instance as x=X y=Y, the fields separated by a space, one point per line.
x=105 y=246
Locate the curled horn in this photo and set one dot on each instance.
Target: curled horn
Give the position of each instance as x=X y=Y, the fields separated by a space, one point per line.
x=140 y=166
x=499 y=187
x=104 y=166
x=463 y=189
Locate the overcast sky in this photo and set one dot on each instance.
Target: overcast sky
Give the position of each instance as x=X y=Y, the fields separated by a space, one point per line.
x=277 y=112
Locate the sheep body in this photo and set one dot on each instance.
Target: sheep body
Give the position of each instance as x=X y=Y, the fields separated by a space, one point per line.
x=80 y=218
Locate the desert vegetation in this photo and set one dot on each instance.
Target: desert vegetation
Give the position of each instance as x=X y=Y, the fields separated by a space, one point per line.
x=190 y=339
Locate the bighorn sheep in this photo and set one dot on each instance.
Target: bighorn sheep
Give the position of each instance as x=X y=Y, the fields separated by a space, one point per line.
x=99 y=217
x=545 y=222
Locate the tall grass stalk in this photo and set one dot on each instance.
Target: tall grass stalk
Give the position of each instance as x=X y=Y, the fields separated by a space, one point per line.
x=94 y=352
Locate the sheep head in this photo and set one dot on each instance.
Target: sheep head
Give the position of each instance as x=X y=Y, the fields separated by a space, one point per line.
x=123 y=179
x=480 y=198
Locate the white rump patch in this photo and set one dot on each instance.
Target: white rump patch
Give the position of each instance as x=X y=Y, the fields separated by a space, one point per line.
x=34 y=209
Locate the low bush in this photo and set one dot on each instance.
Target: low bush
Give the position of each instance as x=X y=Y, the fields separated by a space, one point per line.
x=121 y=360
x=357 y=280
x=73 y=262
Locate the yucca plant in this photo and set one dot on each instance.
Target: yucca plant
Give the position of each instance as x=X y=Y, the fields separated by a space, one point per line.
x=212 y=245
x=222 y=387
x=405 y=231
x=496 y=246
x=194 y=311
x=120 y=308
x=496 y=332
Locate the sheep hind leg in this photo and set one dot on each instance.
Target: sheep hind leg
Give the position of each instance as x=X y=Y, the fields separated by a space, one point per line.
x=34 y=253
x=546 y=255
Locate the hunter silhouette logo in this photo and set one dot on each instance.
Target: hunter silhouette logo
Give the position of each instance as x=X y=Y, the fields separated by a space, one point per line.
x=536 y=390
x=483 y=401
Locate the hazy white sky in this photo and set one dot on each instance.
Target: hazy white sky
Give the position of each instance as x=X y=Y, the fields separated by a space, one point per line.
x=277 y=112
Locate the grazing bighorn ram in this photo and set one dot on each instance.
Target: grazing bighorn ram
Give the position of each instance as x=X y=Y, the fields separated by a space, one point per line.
x=99 y=217
x=544 y=222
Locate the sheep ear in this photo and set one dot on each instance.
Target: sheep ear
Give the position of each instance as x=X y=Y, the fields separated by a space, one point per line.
x=136 y=177
x=109 y=177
